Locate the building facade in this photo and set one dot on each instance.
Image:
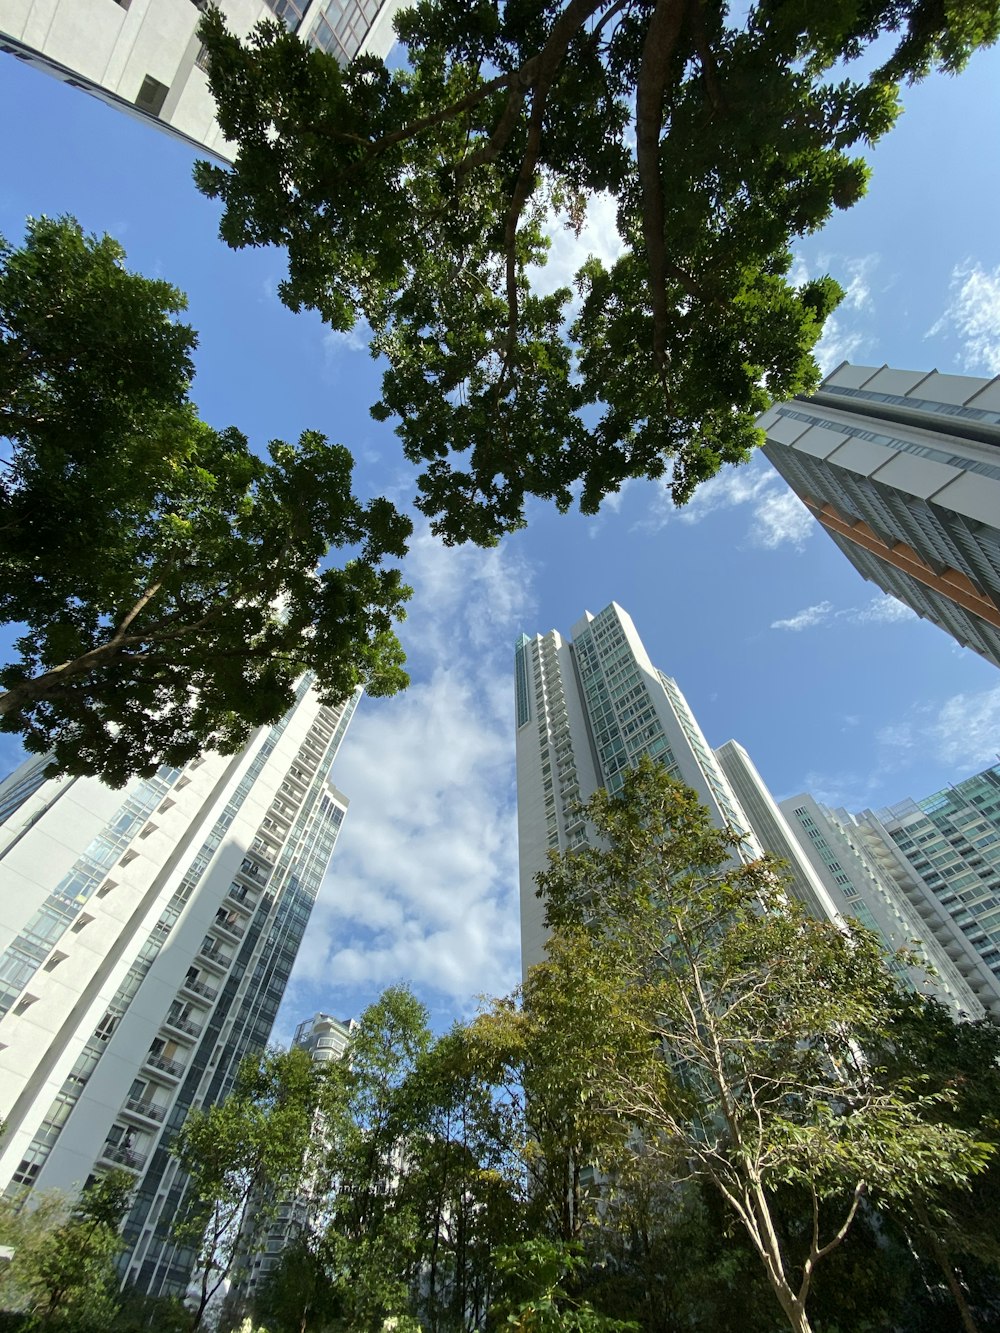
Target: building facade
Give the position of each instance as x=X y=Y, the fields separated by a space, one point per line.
x=859 y=874
x=145 y=58
x=146 y=938
x=902 y=469
x=589 y=706
x=943 y=855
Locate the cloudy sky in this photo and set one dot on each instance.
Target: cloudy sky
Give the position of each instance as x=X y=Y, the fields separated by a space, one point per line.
x=774 y=638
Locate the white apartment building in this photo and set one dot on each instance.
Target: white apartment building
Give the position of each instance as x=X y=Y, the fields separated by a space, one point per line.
x=588 y=707
x=145 y=58
x=146 y=938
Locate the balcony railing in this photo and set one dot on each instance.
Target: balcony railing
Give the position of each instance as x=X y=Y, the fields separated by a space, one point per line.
x=198 y=987
x=214 y=956
x=122 y=1156
x=148 y=1110
x=164 y=1065
x=232 y=928
x=181 y=1024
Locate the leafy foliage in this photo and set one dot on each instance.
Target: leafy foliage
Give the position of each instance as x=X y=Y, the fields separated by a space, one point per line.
x=62 y=1274
x=166 y=576
x=241 y=1155
x=746 y=1023
x=415 y=198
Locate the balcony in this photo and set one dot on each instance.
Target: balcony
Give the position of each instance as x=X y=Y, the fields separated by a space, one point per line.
x=142 y=1110
x=119 y=1155
x=163 y=1065
x=183 y=1026
x=196 y=987
x=232 y=929
x=214 y=956
x=241 y=896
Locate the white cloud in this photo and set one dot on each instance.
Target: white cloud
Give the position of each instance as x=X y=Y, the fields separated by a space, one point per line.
x=839 y=343
x=335 y=342
x=568 y=251
x=781 y=519
x=806 y=618
x=423 y=885
x=963 y=732
x=778 y=517
x=967 y=729
x=973 y=313
x=844 y=339
x=732 y=486
x=883 y=610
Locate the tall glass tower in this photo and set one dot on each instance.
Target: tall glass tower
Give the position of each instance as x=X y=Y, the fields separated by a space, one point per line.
x=146 y=938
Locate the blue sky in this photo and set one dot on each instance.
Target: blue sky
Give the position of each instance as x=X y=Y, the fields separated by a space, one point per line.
x=773 y=637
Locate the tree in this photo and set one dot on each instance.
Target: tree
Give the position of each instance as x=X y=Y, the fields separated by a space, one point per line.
x=544 y=1046
x=369 y=1122
x=956 y=1227
x=241 y=1157
x=168 y=580
x=745 y=1020
x=415 y=197
x=63 y=1270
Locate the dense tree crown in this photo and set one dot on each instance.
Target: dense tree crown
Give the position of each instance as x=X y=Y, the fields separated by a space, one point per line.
x=413 y=197
x=169 y=582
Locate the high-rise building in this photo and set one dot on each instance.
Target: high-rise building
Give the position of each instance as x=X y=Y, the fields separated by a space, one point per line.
x=902 y=469
x=147 y=936
x=145 y=57
x=943 y=855
x=872 y=885
x=325 y=1038
x=588 y=707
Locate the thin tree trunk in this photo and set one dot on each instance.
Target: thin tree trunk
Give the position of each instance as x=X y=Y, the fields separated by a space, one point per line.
x=947 y=1268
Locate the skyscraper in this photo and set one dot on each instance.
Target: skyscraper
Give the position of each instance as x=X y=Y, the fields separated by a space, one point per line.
x=943 y=855
x=902 y=469
x=588 y=707
x=145 y=57
x=147 y=936
x=871 y=884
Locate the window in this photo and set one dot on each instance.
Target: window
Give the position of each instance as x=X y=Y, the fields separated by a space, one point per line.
x=82 y=920
x=54 y=961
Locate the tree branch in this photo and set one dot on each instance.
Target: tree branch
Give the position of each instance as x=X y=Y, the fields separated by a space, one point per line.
x=661 y=42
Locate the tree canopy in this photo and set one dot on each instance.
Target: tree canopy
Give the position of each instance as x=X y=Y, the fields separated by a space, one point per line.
x=415 y=198
x=747 y=1028
x=168 y=582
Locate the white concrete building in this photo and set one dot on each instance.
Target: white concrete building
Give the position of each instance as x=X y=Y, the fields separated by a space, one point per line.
x=146 y=938
x=588 y=707
x=902 y=469
x=145 y=57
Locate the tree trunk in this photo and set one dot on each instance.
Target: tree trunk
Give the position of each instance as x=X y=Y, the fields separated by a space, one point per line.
x=950 y=1276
